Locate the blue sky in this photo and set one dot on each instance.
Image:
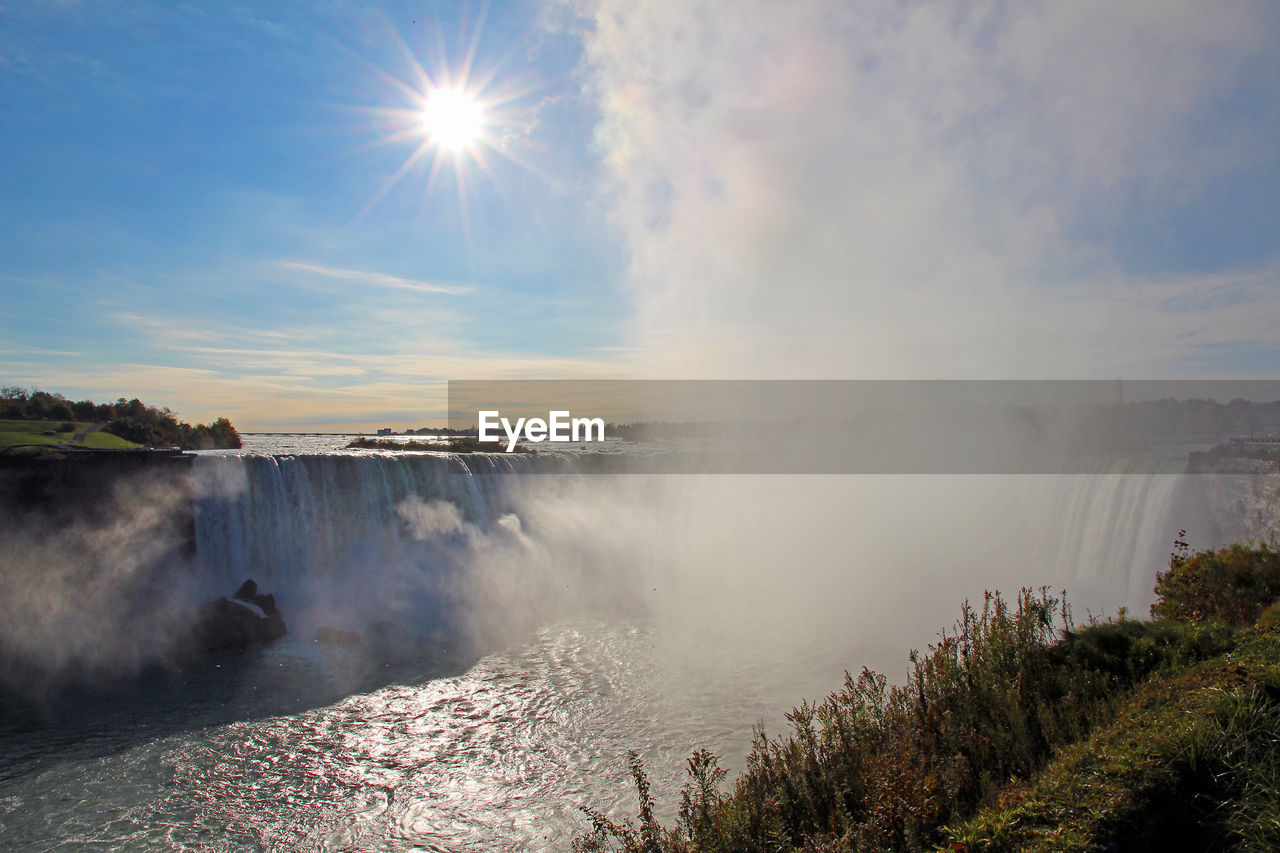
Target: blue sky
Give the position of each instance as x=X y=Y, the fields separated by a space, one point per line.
x=192 y=204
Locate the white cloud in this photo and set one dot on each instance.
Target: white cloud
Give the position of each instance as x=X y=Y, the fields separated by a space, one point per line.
x=378 y=279
x=291 y=378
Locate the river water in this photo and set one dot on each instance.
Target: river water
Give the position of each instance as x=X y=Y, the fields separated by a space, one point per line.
x=496 y=757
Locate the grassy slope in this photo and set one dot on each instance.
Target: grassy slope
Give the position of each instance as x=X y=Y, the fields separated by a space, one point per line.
x=23 y=433
x=1191 y=761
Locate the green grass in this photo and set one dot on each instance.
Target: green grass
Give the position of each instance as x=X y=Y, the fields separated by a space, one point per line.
x=20 y=434
x=1192 y=758
x=106 y=441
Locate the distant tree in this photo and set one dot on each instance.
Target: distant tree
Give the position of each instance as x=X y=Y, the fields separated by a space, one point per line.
x=199 y=438
x=132 y=419
x=60 y=410
x=224 y=434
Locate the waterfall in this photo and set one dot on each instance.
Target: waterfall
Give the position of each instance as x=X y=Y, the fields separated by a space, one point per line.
x=348 y=529
x=1118 y=522
x=485 y=545
x=338 y=524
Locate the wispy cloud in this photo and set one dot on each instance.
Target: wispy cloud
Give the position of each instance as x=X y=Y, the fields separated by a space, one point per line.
x=281 y=379
x=378 y=279
x=11 y=348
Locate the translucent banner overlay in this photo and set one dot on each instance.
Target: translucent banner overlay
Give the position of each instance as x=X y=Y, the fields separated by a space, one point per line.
x=883 y=427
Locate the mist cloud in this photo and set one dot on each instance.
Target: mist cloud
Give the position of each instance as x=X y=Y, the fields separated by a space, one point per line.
x=426 y=519
x=889 y=190
x=97 y=590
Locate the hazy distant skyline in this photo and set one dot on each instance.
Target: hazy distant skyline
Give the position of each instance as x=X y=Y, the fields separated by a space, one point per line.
x=200 y=203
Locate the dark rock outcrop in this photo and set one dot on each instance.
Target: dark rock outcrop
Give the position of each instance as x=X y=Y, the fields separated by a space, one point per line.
x=248 y=618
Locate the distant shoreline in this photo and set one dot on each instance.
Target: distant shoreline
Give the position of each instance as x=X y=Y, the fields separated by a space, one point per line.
x=441 y=432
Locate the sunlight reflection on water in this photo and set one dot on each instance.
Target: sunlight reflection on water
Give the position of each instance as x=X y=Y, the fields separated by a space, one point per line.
x=498 y=758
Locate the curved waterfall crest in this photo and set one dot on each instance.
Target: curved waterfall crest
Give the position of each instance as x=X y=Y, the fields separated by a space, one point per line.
x=288 y=519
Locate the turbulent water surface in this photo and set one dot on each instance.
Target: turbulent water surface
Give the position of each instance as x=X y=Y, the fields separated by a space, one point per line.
x=496 y=757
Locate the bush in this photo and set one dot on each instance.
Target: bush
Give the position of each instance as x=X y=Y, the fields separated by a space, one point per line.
x=1233 y=584
x=1130 y=650
x=883 y=767
x=1270 y=619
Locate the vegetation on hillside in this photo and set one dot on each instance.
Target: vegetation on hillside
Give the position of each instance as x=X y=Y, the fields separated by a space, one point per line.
x=1019 y=730
x=131 y=420
x=1190 y=761
x=51 y=434
x=1232 y=585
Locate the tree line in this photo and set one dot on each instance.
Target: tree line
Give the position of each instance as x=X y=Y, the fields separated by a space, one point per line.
x=132 y=420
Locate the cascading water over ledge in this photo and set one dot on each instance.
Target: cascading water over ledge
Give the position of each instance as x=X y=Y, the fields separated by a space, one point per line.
x=358 y=537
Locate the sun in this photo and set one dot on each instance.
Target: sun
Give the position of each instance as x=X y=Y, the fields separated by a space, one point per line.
x=453 y=120
x=457 y=120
